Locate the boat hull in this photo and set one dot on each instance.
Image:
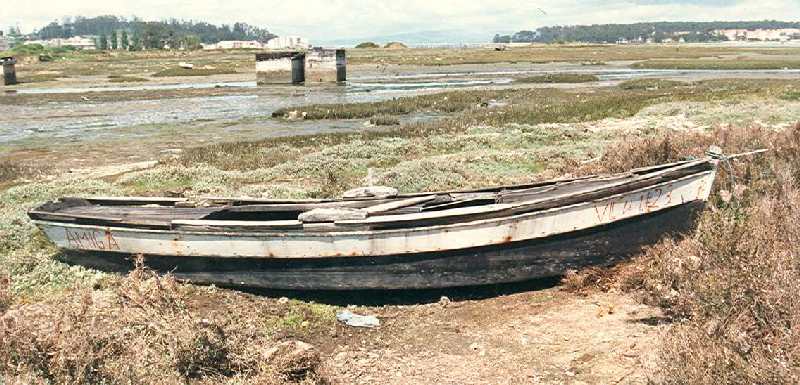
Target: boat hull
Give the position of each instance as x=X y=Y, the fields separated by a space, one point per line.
x=505 y=263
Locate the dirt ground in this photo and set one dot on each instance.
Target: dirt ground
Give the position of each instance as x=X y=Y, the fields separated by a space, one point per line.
x=547 y=336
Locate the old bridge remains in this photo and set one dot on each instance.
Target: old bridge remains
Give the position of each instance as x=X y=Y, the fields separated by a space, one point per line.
x=318 y=65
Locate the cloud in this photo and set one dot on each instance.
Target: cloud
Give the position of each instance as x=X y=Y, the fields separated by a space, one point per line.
x=331 y=19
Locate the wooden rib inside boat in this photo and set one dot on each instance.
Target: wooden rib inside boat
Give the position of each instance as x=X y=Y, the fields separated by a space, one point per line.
x=409 y=241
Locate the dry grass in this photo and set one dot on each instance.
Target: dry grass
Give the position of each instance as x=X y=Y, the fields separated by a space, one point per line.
x=730 y=287
x=146 y=330
x=177 y=71
x=125 y=79
x=546 y=53
x=11 y=171
x=447 y=102
x=723 y=64
x=5 y=293
x=384 y=121
x=652 y=84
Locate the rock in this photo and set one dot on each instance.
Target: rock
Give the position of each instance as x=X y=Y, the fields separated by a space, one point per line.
x=295 y=359
x=296 y=115
x=444 y=301
x=725 y=195
x=362 y=321
x=694 y=262
x=493 y=104
x=283 y=300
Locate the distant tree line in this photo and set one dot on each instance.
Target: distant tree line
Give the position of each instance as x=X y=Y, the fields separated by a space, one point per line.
x=659 y=31
x=115 y=32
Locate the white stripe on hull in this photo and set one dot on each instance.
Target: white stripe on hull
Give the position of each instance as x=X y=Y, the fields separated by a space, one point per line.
x=385 y=242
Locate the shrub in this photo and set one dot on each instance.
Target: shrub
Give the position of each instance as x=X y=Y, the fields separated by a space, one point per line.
x=652 y=84
x=145 y=330
x=367 y=45
x=384 y=121
x=395 y=45
x=731 y=286
x=560 y=78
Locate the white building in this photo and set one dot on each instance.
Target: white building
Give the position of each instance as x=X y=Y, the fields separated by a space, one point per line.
x=288 y=42
x=235 y=44
x=784 y=34
x=79 y=42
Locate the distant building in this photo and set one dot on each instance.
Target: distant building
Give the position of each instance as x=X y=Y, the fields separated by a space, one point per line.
x=288 y=42
x=235 y=44
x=78 y=42
x=4 y=43
x=782 y=35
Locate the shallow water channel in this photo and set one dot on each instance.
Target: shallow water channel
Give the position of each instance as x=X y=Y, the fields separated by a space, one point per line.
x=245 y=104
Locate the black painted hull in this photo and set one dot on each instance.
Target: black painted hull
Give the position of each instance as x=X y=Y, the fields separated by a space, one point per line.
x=512 y=262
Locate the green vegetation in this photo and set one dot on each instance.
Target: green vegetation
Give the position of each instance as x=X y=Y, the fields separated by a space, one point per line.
x=658 y=31
x=300 y=318
x=178 y=71
x=534 y=106
x=38 y=50
x=368 y=44
x=384 y=121
x=23 y=78
x=560 y=78
x=791 y=95
x=139 y=34
x=722 y=64
x=652 y=84
x=125 y=79
x=442 y=102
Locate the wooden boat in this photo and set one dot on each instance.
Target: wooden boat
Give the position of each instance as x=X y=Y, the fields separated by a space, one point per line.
x=413 y=241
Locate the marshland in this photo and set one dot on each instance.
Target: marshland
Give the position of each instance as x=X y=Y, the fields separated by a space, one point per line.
x=715 y=306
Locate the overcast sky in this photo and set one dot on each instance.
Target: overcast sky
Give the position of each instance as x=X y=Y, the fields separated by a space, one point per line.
x=332 y=19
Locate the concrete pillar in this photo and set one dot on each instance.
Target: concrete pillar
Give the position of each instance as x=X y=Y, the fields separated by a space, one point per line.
x=341 y=66
x=299 y=69
x=9 y=71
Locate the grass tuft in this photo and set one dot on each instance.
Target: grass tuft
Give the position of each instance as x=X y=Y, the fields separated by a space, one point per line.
x=384 y=121
x=177 y=71
x=560 y=78
x=652 y=84
x=125 y=79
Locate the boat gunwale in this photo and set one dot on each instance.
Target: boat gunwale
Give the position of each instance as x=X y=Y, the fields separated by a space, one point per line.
x=405 y=230
x=245 y=201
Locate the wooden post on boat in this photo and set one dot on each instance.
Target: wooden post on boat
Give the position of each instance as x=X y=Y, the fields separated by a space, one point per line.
x=9 y=71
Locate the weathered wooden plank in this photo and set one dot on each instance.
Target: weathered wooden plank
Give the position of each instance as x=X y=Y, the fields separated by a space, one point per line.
x=427 y=217
x=132 y=201
x=391 y=206
x=98 y=220
x=234 y=226
x=302 y=207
